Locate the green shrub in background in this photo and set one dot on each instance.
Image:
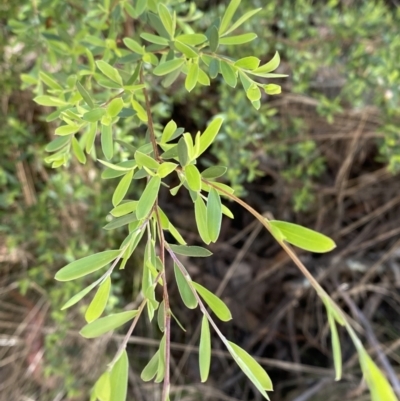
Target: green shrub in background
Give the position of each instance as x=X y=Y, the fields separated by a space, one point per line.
x=98 y=87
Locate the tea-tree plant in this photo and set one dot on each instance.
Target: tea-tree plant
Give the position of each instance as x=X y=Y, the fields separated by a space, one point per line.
x=112 y=78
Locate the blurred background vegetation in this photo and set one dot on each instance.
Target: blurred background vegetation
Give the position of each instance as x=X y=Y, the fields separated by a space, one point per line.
x=325 y=153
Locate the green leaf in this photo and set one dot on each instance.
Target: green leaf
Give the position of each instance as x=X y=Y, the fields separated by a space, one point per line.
x=270 y=66
x=237 y=40
x=133 y=45
x=166 y=19
x=228 y=15
x=214 y=215
x=377 y=383
x=119 y=378
x=109 y=71
x=213 y=68
x=209 y=134
x=185 y=291
x=192 y=39
x=123 y=167
x=193 y=177
x=78 y=152
x=57 y=143
x=86 y=265
x=204 y=350
x=154 y=39
x=150 y=370
x=115 y=106
x=183 y=153
x=168 y=131
x=213 y=39
x=147 y=161
x=99 y=302
x=77 y=297
x=107 y=323
x=194 y=251
x=242 y=19
x=253 y=93
x=215 y=303
x=107 y=144
x=203 y=78
x=200 y=212
x=213 y=172
x=49 y=81
x=103 y=387
x=175 y=233
x=67 y=130
x=166 y=168
x=121 y=221
x=168 y=66
x=85 y=95
x=192 y=77
x=251 y=368
x=149 y=196
x=161 y=317
x=229 y=74
x=124 y=208
x=94 y=115
x=187 y=50
x=122 y=188
x=161 y=362
x=337 y=353
x=248 y=63
x=304 y=238
x=50 y=101
x=272 y=89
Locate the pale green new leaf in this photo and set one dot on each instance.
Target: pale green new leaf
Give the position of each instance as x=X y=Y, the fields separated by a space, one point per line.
x=133 y=45
x=304 y=238
x=51 y=101
x=192 y=39
x=237 y=40
x=146 y=161
x=102 y=387
x=248 y=63
x=122 y=188
x=187 y=50
x=204 y=350
x=270 y=66
x=86 y=265
x=168 y=131
x=107 y=323
x=67 y=130
x=85 y=95
x=200 y=212
x=107 y=144
x=124 y=208
x=166 y=168
x=193 y=177
x=94 y=115
x=192 y=77
x=185 y=291
x=215 y=303
x=109 y=71
x=166 y=19
x=154 y=39
x=228 y=15
x=242 y=19
x=78 y=152
x=99 y=302
x=119 y=378
x=50 y=81
x=208 y=136
x=115 y=106
x=149 y=196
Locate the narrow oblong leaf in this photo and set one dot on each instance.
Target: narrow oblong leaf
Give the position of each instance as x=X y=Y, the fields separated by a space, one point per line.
x=204 y=350
x=213 y=172
x=78 y=152
x=121 y=221
x=161 y=362
x=99 y=302
x=109 y=71
x=242 y=19
x=237 y=40
x=102 y=387
x=133 y=45
x=193 y=177
x=251 y=368
x=149 y=196
x=192 y=77
x=166 y=168
x=145 y=160
x=187 y=50
x=194 y=251
x=150 y=370
x=77 y=297
x=200 y=212
x=270 y=66
x=337 y=353
x=213 y=39
x=166 y=19
x=248 y=63
x=215 y=303
x=124 y=208
x=85 y=95
x=119 y=378
x=107 y=144
x=168 y=66
x=94 y=115
x=158 y=40
x=214 y=215
x=304 y=238
x=168 y=131
x=86 y=265
x=192 y=39
x=107 y=323
x=208 y=136
x=57 y=143
x=115 y=106
x=50 y=81
x=185 y=291
x=228 y=15
x=122 y=188
x=229 y=74
x=67 y=130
